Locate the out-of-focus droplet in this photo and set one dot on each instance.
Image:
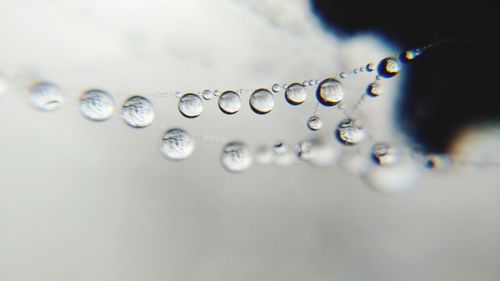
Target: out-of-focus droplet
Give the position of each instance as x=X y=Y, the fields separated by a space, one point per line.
x=138 y=112
x=177 y=144
x=343 y=75
x=314 y=123
x=284 y=156
x=262 y=101
x=190 y=105
x=410 y=55
x=349 y=132
x=393 y=178
x=264 y=155
x=276 y=88
x=295 y=94
x=97 y=105
x=229 y=102
x=317 y=152
x=383 y=154
x=354 y=163
x=207 y=94
x=374 y=89
x=437 y=161
x=370 y=67
x=311 y=82
x=46 y=96
x=216 y=93
x=388 y=67
x=236 y=157
x=330 y=92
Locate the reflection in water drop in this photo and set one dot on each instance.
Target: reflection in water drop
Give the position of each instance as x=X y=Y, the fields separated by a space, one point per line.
x=138 y=112
x=370 y=67
x=97 y=105
x=348 y=132
x=177 y=144
x=229 y=102
x=262 y=101
x=374 y=89
x=295 y=94
x=388 y=67
x=236 y=157
x=314 y=123
x=46 y=96
x=207 y=94
x=330 y=92
x=276 y=88
x=383 y=154
x=190 y=105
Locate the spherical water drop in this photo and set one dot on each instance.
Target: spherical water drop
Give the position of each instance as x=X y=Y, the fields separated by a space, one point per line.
x=343 y=75
x=236 y=157
x=264 y=155
x=262 y=101
x=138 y=112
x=437 y=161
x=190 y=105
x=177 y=144
x=392 y=179
x=388 y=67
x=216 y=93
x=276 y=88
x=46 y=96
x=370 y=67
x=348 y=132
x=314 y=123
x=374 y=89
x=317 y=152
x=97 y=105
x=295 y=94
x=410 y=55
x=284 y=156
x=207 y=94
x=383 y=154
x=305 y=83
x=362 y=69
x=311 y=82
x=330 y=92
x=355 y=71
x=229 y=102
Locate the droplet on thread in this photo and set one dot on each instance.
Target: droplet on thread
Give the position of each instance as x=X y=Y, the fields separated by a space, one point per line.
x=295 y=94
x=236 y=157
x=262 y=101
x=374 y=89
x=190 y=105
x=207 y=94
x=276 y=88
x=229 y=102
x=388 y=67
x=314 y=123
x=177 y=144
x=137 y=112
x=46 y=96
x=349 y=132
x=383 y=154
x=97 y=105
x=330 y=92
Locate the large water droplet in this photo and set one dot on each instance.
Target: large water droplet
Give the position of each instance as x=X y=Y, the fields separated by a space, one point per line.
x=190 y=105
x=330 y=92
x=177 y=144
x=295 y=94
x=262 y=101
x=236 y=157
x=138 y=112
x=314 y=123
x=383 y=154
x=97 y=105
x=229 y=102
x=388 y=67
x=46 y=96
x=349 y=132
x=374 y=89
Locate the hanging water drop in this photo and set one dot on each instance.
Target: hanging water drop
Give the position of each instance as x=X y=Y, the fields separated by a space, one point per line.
x=207 y=94
x=349 y=132
x=236 y=157
x=330 y=92
x=314 y=123
x=410 y=55
x=216 y=93
x=284 y=156
x=311 y=82
x=138 y=112
x=190 y=105
x=317 y=152
x=97 y=105
x=388 y=67
x=46 y=96
x=295 y=94
x=374 y=89
x=370 y=67
x=264 y=155
x=229 y=102
x=276 y=88
x=383 y=154
x=262 y=101
x=343 y=75
x=177 y=144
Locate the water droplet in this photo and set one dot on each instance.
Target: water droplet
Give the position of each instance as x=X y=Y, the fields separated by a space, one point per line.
x=388 y=67
x=311 y=82
x=304 y=83
x=264 y=155
x=295 y=94
x=190 y=105
x=138 y=112
x=285 y=86
x=276 y=88
x=177 y=144
x=283 y=155
x=207 y=94
x=317 y=152
x=370 y=67
x=316 y=82
x=349 y=132
x=229 y=102
x=236 y=157
x=362 y=69
x=343 y=75
x=330 y=92
x=383 y=154
x=314 y=123
x=437 y=161
x=46 y=96
x=374 y=89
x=410 y=55
x=216 y=93
x=392 y=179
x=97 y=105
x=355 y=71
x=262 y=101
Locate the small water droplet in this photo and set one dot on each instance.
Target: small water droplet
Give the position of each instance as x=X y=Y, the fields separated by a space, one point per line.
x=229 y=102
x=190 y=105
x=283 y=155
x=295 y=94
x=276 y=88
x=370 y=67
x=177 y=144
x=330 y=92
x=46 y=96
x=388 y=67
x=314 y=123
x=138 y=112
x=97 y=105
x=343 y=75
x=317 y=152
x=311 y=82
x=349 y=132
x=355 y=71
x=362 y=69
x=437 y=161
x=285 y=86
x=264 y=155
x=236 y=157
x=316 y=82
x=216 y=93
x=410 y=55
x=383 y=154
x=305 y=83
x=207 y=94
x=374 y=89
x=262 y=101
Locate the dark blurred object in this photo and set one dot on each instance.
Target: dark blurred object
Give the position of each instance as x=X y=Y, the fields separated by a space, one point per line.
x=450 y=86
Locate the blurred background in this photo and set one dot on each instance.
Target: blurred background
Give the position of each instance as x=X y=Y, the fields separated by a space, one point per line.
x=85 y=200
